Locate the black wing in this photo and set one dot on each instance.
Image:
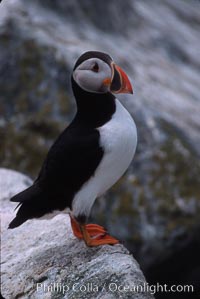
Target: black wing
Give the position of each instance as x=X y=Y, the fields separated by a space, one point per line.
x=70 y=162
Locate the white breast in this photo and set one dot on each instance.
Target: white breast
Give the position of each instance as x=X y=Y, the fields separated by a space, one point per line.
x=119 y=140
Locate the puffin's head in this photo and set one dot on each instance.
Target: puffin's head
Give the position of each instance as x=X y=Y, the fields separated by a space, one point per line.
x=96 y=72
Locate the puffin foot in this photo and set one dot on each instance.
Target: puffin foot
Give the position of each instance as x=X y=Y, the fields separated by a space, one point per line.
x=96 y=240
x=94 y=230
x=92 y=234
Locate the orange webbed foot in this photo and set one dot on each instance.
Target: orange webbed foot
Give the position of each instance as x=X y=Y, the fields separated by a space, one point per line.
x=92 y=234
x=92 y=229
x=97 y=239
x=95 y=229
x=76 y=228
x=102 y=240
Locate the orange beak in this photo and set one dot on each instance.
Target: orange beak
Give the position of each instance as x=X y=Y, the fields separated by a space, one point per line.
x=119 y=83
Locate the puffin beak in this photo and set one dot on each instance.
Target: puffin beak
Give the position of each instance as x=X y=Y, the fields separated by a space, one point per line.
x=120 y=82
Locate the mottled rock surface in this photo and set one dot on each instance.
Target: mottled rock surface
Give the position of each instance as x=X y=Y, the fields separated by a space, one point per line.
x=42 y=259
x=155 y=207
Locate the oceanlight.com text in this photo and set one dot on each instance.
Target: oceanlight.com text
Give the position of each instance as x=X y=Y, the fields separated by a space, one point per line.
x=113 y=287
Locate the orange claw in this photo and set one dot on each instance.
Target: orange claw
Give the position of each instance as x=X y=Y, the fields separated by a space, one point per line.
x=93 y=234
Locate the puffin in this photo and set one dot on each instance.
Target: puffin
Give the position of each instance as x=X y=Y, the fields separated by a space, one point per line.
x=89 y=156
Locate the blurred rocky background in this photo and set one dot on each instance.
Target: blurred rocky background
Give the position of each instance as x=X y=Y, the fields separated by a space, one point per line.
x=155 y=207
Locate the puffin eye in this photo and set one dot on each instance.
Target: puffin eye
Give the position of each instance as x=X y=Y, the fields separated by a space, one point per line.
x=95 y=67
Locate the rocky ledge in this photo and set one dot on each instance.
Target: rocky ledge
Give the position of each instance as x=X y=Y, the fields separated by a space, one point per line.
x=42 y=259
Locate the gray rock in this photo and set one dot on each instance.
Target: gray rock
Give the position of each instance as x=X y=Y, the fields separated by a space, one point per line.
x=156 y=206
x=42 y=259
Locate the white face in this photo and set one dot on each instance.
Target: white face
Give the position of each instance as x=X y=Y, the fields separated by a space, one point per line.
x=90 y=75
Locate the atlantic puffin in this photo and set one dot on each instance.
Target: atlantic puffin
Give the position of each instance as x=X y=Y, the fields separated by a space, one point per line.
x=90 y=155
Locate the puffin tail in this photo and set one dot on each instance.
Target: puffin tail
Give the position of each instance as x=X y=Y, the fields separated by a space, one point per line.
x=17 y=221
x=28 y=203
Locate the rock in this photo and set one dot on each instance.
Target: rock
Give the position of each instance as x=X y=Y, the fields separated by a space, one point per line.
x=42 y=259
x=156 y=206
